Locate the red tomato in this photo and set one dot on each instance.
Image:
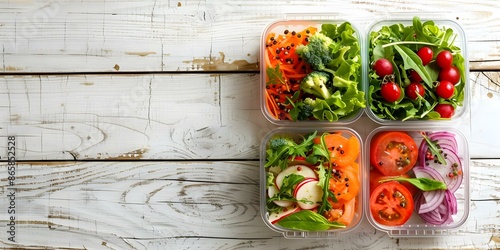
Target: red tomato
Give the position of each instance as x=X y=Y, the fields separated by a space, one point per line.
x=415 y=76
x=391 y=204
x=425 y=53
x=376 y=176
x=393 y=152
x=382 y=67
x=413 y=89
x=450 y=74
x=445 y=110
x=445 y=89
x=444 y=59
x=390 y=91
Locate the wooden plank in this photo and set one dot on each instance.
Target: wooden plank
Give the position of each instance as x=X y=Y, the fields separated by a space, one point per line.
x=138 y=204
x=171 y=116
x=132 y=36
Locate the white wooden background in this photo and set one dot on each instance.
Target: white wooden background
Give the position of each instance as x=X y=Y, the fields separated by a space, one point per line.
x=138 y=124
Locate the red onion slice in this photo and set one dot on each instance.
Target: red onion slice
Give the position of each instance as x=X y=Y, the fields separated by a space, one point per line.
x=430 y=200
x=451 y=172
x=442 y=215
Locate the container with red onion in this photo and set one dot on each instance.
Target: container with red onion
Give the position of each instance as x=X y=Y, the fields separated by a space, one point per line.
x=416 y=180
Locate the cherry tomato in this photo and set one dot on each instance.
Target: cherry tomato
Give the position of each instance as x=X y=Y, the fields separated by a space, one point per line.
x=383 y=67
x=445 y=89
x=393 y=152
x=445 y=110
x=376 y=177
x=391 y=204
x=450 y=74
x=415 y=76
x=413 y=89
x=390 y=91
x=425 y=53
x=444 y=59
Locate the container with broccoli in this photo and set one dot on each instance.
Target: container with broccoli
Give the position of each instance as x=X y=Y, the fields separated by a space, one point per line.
x=312 y=72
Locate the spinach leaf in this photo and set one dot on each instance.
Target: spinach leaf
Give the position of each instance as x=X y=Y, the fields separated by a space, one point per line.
x=308 y=221
x=424 y=184
x=412 y=61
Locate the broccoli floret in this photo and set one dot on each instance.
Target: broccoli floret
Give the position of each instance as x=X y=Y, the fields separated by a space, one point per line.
x=305 y=111
x=309 y=101
x=315 y=83
x=280 y=141
x=317 y=52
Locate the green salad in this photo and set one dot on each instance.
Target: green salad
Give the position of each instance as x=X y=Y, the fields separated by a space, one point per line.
x=416 y=72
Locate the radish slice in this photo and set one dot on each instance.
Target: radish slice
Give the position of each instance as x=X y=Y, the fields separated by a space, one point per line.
x=272 y=191
x=308 y=194
x=303 y=170
x=275 y=217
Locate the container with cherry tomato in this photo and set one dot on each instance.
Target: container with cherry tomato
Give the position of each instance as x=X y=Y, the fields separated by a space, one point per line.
x=417 y=71
x=417 y=180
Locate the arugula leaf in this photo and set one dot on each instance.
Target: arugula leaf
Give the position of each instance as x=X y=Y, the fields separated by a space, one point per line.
x=308 y=221
x=279 y=155
x=424 y=184
x=434 y=148
x=274 y=75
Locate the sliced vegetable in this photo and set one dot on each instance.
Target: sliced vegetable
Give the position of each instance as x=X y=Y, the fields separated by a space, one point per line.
x=393 y=153
x=308 y=194
x=391 y=204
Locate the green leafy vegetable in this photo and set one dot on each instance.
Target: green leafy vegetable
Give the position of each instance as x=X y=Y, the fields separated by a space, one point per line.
x=335 y=55
x=399 y=43
x=424 y=184
x=280 y=148
x=308 y=221
x=434 y=148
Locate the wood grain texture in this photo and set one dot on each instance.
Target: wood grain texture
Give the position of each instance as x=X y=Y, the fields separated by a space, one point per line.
x=172 y=116
x=137 y=36
x=180 y=205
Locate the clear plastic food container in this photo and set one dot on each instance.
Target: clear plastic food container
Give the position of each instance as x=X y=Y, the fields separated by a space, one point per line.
x=389 y=152
x=293 y=49
x=294 y=199
x=408 y=77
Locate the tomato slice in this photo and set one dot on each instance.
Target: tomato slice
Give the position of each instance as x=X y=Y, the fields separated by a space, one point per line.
x=376 y=176
x=393 y=153
x=344 y=183
x=342 y=212
x=391 y=204
x=343 y=151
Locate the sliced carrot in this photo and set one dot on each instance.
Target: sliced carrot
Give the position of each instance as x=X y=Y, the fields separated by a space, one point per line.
x=280 y=50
